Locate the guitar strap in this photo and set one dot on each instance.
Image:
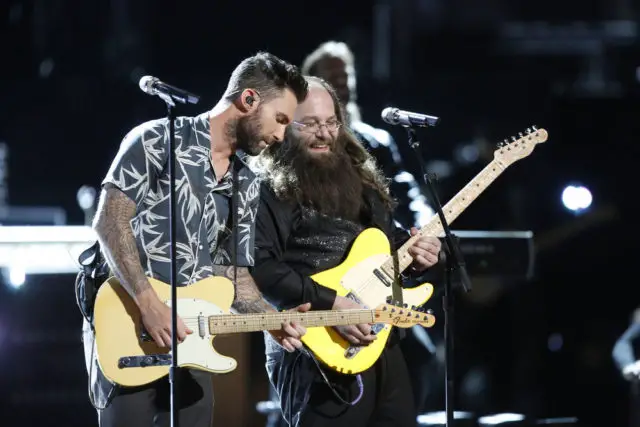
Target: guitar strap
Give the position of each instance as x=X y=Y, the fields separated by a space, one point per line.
x=234 y=219
x=396 y=285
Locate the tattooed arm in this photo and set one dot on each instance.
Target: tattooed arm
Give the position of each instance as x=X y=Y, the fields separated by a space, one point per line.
x=113 y=227
x=248 y=299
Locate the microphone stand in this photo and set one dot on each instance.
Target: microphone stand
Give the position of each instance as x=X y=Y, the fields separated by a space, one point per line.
x=173 y=370
x=453 y=263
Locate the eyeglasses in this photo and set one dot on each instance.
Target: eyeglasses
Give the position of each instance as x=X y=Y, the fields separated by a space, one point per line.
x=314 y=127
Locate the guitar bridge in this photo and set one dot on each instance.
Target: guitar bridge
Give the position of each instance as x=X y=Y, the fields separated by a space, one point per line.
x=145 y=361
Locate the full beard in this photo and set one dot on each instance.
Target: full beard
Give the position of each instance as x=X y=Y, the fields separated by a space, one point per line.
x=328 y=183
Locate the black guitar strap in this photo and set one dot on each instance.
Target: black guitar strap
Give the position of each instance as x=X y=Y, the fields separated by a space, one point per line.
x=234 y=219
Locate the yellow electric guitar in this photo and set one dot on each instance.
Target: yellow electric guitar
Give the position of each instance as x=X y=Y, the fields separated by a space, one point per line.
x=129 y=357
x=367 y=273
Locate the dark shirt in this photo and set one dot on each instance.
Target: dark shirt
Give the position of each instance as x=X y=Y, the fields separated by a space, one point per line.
x=289 y=248
x=292 y=243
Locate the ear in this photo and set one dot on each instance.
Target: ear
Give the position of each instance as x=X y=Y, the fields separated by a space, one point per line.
x=248 y=100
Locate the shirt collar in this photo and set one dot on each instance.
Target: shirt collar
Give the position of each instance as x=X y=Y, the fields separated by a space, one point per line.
x=202 y=128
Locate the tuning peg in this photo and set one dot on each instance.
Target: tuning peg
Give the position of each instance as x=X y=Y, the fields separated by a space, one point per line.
x=520 y=134
x=534 y=127
x=528 y=130
x=513 y=139
x=413 y=308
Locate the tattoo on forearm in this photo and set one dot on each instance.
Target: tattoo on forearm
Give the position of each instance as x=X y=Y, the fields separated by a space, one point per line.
x=248 y=298
x=113 y=227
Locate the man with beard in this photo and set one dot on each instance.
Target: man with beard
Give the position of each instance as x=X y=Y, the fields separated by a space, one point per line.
x=213 y=182
x=321 y=189
x=334 y=62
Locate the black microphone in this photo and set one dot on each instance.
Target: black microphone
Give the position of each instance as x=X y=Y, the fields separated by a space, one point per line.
x=153 y=86
x=394 y=116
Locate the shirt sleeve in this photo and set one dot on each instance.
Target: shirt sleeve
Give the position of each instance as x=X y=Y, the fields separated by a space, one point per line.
x=281 y=285
x=139 y=162
x=623 y=353
x=399 y=237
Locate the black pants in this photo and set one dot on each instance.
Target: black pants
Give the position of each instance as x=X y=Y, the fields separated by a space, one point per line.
x=150 y=406
x=387 y=398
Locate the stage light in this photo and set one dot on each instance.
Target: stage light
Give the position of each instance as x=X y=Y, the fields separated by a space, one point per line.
x=555 y=342
x=14 y=276
x=500 y=419
x=576 y=198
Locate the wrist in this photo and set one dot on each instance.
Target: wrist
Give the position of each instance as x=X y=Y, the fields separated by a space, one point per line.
x=146 y=298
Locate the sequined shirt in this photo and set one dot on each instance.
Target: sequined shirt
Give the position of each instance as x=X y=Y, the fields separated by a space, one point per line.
x=294 y=242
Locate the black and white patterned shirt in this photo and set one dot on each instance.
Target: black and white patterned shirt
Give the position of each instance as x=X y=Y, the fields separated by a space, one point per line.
x=203 y=232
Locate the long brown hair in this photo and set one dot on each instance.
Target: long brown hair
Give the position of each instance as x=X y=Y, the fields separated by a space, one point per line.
x=274 y=164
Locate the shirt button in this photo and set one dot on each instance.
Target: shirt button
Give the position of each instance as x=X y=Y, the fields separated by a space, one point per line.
x=201 y=246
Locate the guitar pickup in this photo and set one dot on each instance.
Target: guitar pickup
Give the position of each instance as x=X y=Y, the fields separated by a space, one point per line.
x=144 y=361
x=382 y=277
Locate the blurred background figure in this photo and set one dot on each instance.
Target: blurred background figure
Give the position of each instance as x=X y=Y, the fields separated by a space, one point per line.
x=626 y=360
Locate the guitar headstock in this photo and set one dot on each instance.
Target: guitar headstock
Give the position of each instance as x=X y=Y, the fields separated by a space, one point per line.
x=403 y=317
x=509 y=152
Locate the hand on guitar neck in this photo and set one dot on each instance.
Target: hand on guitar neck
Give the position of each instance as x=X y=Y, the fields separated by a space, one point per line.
x=356 y=334
x=156 y=317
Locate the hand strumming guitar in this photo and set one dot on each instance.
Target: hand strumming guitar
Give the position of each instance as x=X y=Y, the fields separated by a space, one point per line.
x=356 y=334
x=156 y=318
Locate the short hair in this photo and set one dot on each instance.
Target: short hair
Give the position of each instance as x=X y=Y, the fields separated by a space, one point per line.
x=330 y=49
x=268 y=75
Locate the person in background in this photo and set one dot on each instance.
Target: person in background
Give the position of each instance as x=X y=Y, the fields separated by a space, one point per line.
x=625 y=359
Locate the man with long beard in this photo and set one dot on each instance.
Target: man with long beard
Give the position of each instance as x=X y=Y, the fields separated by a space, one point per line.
x=321 y=189
x=133 y=228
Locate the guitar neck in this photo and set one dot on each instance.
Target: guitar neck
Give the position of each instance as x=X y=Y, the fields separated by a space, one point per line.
x=233 y=323
x=451 y=210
